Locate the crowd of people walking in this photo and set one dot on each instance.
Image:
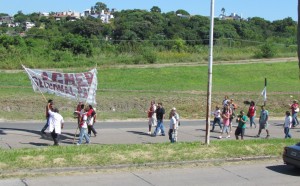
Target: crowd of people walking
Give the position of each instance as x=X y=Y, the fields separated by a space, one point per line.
x=223 y=116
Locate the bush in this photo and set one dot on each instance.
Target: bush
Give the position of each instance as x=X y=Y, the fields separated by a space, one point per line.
x=149 y=55
x=267 y=50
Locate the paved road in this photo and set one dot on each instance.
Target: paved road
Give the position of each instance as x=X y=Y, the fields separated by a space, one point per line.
x=262 y=174
x=27 y=134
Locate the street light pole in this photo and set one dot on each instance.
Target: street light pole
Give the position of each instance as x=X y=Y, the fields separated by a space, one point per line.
x=210 y=63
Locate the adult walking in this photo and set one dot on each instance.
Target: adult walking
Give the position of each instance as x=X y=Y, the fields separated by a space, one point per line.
x=160 y=115
x=251 y=113
x=91 y=114
x=226 y=121
x=152 y=122
x=263 y=121
x=295 y=109
x=48 y=106
x=56 y=123
x=240 y=130
x=83 y=128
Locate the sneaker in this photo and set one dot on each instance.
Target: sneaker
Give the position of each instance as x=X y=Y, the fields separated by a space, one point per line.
x=95 y=134
x=211 y=130
x=220 y=137
x=257 y=136
x=163 y=134
x=268 y=136
x=149 y=133
x=228 y=136
x=77 y=143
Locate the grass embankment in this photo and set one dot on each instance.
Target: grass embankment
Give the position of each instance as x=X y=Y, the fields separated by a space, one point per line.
x=129 y=90
x=105 y=155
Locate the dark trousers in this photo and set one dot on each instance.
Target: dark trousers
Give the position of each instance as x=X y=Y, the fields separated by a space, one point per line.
x=45 y=126
x=55 y=137
x=218 y=121
x=91 y=129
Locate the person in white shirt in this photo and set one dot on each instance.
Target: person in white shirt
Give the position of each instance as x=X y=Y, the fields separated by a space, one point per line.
x=217 y=119
x=56 y=123
x=287 y=124
x=173 y=127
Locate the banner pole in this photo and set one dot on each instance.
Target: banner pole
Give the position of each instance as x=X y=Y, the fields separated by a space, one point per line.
x=34 y=82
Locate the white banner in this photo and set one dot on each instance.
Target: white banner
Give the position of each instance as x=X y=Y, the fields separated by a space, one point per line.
x=76 y=86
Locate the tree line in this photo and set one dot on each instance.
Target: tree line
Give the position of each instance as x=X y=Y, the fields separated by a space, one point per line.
x=134 y=30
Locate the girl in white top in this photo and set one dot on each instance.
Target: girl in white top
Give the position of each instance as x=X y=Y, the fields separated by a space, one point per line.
x=173 y=128
x=83 y=128
x=287 y=124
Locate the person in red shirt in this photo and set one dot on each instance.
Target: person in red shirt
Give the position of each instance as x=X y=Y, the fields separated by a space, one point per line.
x=91 y=114
x=295 y=109
x=251 y=113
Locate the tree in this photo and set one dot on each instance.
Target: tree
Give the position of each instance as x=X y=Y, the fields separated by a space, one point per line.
x=100 y=6
x=223 y=11
x=20 y=17
x=155 y=9
x=183 y=12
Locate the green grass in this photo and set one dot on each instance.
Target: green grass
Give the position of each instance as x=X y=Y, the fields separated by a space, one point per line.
x=105 y=155
x=129 y=90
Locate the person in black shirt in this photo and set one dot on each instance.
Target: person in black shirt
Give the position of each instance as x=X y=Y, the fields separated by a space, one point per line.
x=160 y=115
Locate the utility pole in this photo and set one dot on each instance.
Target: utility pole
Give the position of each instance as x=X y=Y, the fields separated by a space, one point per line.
x=209 y=84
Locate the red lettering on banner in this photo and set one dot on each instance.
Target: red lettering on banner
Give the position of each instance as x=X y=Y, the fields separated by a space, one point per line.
x=45 y=76
x=58 y=87
x=89 y=77
x=68 y=90
x=57 y=77
x=69 y=79
x=80 y=81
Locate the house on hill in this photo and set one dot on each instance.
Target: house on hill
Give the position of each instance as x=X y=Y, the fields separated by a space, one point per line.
x=105 y=16
x=71 y=15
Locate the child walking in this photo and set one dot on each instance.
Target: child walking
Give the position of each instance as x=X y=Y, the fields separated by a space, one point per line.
x=217 y=119
x=226 y=122
x=287 y=124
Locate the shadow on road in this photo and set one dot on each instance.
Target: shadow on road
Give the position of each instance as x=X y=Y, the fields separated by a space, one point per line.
x=66 y=138
x=139 y=133
x=285 y=169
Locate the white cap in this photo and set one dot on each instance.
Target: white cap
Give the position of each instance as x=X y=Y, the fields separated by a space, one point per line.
x=173 y=108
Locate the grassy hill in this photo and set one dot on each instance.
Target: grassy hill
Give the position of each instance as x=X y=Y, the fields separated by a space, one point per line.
x=125 y=92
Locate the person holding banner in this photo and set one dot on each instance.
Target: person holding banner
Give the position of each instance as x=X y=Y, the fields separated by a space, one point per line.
x=48 y=106
x=56 y=123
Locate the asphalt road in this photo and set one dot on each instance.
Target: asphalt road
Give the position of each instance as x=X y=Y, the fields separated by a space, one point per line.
x=262 y=174
x=27 y=134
